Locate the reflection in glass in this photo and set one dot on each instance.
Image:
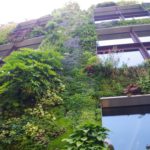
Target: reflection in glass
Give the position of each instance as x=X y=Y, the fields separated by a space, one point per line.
x=129 y=132
x=128 y=58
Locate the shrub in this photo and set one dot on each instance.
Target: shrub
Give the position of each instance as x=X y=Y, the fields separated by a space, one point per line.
x=33 y=130
x=37 y=31
x=87 y=36
x=144 y=82
x=88 y=137
x=26 y=77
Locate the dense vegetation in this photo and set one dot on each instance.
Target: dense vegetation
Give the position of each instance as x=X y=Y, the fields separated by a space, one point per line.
x=5 y=30
x=46 y=94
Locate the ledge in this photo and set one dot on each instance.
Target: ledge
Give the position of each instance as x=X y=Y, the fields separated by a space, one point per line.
x=125 y=105
x=6 y=46
x=6 y=49
x=115 y=12
x=28 y=42
x=123 y=29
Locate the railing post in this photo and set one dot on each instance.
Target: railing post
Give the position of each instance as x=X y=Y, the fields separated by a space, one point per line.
x=142 y=48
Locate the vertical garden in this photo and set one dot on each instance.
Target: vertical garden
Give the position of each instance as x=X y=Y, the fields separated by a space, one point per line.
x=49 y=97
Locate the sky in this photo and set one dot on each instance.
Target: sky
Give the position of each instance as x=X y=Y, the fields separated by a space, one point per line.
x=22 y=10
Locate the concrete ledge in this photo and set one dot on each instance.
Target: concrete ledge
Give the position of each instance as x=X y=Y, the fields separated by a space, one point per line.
x=28 y=42
x=6 y=49
x=125 y=105
x=6 y=46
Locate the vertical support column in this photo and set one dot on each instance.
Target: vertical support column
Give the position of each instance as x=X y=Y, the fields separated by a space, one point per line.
x=142 y=48
x=121 y=15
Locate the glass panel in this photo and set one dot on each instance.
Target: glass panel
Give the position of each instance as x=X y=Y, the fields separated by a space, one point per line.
x=142 y=17
x=103 y=21
x=145 y=39
x=128 y=58
x=129 y=132
x=114 y=42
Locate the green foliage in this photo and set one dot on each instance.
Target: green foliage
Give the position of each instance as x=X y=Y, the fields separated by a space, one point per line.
x=145 y=83
x=126 y=22
x=30 y=90
x=37 y=31
x=146 y=6
x=33 y=130
x=111 y=80
x=133 y=22
x=4 y=32
x=110 y=87
x=51 y=25
x=88 y=137
x=106 y=4
x=120 y=3
x=41 y=103
x=26 y=77
x=126 y=3
x=87 y=36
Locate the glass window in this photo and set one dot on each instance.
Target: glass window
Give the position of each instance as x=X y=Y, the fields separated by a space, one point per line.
x=145 y=39
x=104 y=21
x=128 y=132
x=128 y=58
x=114 y=42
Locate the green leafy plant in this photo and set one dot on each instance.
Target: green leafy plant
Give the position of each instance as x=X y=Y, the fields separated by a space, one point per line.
x=87 y=36
x=26 y=77
x=88 y=137
x=144 y=82
x=37 y=31
x=33 y=130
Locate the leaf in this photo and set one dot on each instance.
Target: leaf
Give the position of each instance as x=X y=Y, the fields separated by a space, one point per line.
x=70 y=141
x=84 y=138
x=99 y=138
x=79 y=144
